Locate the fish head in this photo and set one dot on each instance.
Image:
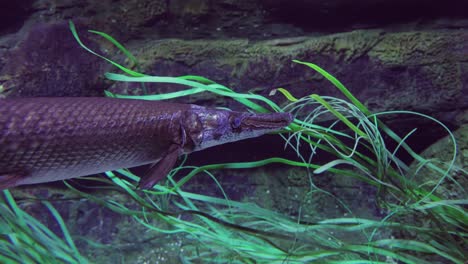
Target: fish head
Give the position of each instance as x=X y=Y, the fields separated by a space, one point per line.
x=207 y=127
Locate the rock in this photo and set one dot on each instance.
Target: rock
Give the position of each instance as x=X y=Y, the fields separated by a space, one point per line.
x=48 y=61
x=453 y=186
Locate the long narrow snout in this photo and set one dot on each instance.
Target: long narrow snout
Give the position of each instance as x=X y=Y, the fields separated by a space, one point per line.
x=266 y=121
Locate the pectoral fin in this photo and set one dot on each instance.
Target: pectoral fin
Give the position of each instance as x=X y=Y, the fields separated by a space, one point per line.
x=159 y=170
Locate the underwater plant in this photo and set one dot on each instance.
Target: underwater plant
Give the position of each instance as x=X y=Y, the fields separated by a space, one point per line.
x=26 y=240
x=218 y=230
x=398 y=193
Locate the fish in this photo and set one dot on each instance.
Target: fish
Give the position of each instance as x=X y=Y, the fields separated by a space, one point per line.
x=46 y=139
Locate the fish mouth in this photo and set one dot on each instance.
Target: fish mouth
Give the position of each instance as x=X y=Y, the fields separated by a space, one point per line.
x=267 y=121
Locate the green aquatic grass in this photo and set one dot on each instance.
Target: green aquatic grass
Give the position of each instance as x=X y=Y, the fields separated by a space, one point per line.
x=220 y=229
x=382 y=169
x=23 y=239
x=245 y=231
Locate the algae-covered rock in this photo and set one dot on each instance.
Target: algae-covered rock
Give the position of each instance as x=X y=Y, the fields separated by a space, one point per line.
x=417 y=70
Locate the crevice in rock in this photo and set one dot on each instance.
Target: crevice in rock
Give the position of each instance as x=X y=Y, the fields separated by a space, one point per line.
x=335 y=16
x=13 y=14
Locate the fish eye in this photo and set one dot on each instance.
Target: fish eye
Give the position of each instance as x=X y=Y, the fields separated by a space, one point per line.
x=236 y=122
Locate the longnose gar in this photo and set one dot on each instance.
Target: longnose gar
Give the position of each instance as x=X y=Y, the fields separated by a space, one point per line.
x=48 y=139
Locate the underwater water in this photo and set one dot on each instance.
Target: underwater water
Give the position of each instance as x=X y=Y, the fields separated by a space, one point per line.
x=369 y=167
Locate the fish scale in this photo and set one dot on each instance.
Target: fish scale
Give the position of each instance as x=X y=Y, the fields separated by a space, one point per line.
x=64 y=137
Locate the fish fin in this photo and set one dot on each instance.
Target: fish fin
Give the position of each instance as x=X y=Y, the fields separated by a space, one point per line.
x=9 y=180
x=159 y=170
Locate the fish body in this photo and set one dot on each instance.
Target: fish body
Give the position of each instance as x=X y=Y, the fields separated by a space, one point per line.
x=47 y=139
